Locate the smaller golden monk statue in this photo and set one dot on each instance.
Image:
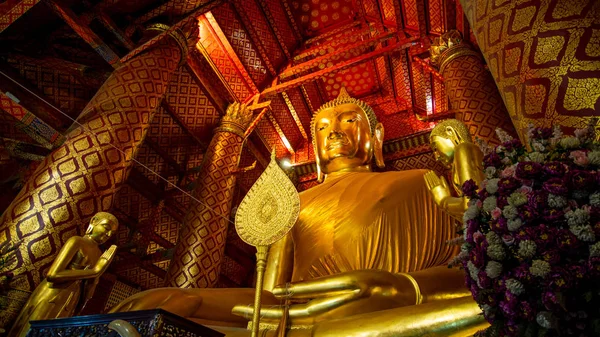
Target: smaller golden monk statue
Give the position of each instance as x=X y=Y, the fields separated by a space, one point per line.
x=453 y=147
x=73 y=276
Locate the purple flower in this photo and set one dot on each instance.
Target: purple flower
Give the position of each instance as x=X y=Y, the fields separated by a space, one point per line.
x=551 y=256
x=469 y=188
x=552 y=215
x=560 y=279
x=555 y=186
x=566 y=241
x=484 y=281
x=512 y=144
x=541 y=133
x=538 y=200
x=527 y=213
x=527 y=311
x=492 y=159
x=499 y=225
x=507 y=185
x=550 y=300
x=554 y=169
x=528 y=170
x=501 y=201
x=477 y=256
x=577 y=272
x=581 y=180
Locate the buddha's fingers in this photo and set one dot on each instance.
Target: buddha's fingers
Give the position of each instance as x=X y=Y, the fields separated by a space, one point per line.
x=326 y=286
x=431 y=179
x=306 y=310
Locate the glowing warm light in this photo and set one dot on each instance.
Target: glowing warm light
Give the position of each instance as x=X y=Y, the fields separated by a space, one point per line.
x=286 y=163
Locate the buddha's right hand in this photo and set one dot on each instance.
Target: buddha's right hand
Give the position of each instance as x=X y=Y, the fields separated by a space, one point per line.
x=337 y=296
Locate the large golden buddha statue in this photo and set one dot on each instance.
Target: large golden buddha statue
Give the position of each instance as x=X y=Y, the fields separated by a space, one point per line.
x=366 y=257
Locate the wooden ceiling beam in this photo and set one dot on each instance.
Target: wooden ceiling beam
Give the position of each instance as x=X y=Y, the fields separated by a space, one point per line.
x=85 y=33
x=13 y=14
x=403 y=44
x=152 y=192
x=31 y=99
x=134 y=225
x=338 y=53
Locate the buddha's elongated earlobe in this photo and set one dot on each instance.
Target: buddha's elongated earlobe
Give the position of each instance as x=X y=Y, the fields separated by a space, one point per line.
x=320 y=174
x=378 y=136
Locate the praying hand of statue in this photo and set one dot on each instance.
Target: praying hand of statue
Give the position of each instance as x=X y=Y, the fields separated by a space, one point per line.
x=72 y=277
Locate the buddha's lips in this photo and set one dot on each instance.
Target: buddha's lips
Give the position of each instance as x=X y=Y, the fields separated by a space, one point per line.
x=335 y=144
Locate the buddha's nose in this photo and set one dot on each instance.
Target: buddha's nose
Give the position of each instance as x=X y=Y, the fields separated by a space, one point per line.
x=335 y=134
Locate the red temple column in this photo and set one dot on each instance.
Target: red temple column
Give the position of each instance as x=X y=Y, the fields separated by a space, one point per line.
x=81 y=177
x=544 y=56
x=201 y=245
x=470 y=87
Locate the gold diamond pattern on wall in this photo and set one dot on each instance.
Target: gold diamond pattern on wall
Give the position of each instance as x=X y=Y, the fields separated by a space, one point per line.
x=544 y=56
x=81 y=177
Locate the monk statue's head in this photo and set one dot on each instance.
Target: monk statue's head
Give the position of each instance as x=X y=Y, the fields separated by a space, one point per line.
x=445 y=137
x=346 y=136
x=102 y=226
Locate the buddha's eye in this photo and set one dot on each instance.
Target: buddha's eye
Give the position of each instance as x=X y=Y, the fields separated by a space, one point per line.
x=350 y=120
x=322 y=127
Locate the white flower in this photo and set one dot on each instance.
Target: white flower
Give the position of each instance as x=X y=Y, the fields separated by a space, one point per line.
x=490 y=172
x=496 y=252
x=514 y=286
x=545 y=319
x=492 y=238
x=539 y=268
x=570 y=142
x=500 y=149
x=556 y=134
x=517 y=199
x=514 y=224
x=558 y=201
x=489 y=204
x=503 y=136
x=595 y=249
x=577 y=217
x=594 y=157
x=493 y=269
x=595 y=199
x=537 y=146
x=486 y=310
x=464 y=248
x=471 y=213
x=527 y=248
x=537 y=157
x=473 y=271
x=583 y=232
x=510 y=212
x=492 y=185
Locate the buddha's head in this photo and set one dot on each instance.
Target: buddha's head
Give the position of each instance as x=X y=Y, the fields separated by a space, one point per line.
x=346 y=136
x=102 y=226
x=445 y=137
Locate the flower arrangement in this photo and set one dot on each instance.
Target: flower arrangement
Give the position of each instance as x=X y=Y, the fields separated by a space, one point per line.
x=531 y=247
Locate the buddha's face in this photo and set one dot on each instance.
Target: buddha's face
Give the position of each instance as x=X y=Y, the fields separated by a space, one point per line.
x=342 y=138
x=443 y=150
x=101 y=228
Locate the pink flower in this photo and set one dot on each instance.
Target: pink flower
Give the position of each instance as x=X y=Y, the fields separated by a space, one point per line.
x=496 y=213
x=479 y=204
x=579 y=157
x=508 y=172
x=581 y=133
x=525 y=189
